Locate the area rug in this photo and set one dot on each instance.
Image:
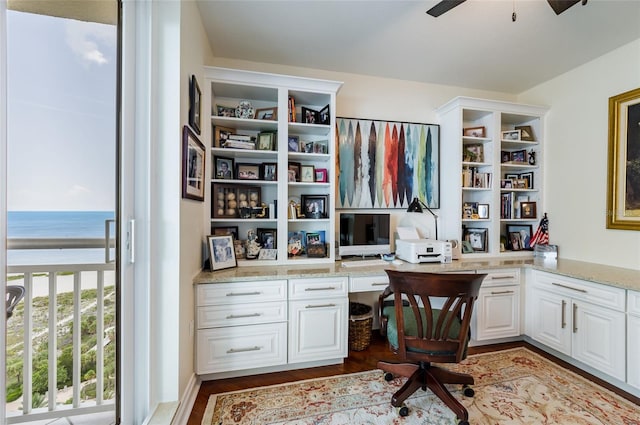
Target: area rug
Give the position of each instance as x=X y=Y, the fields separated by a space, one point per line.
x=514 y=386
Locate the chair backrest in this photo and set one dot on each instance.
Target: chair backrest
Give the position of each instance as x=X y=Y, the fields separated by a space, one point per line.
x=438 y=315
x=14 y=295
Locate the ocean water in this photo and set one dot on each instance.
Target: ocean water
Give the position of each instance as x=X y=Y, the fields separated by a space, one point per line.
x=57 y=224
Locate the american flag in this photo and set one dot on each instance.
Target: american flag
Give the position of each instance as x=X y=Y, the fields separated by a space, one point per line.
x=541 y=236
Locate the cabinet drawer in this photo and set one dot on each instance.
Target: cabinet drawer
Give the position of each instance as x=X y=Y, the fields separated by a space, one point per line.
x=368 y=283
x=598 y=294
x=318 y=288
x=241 y=347
x=500 y=277
x=241 y=292
x=241 y=314
x=633 y=302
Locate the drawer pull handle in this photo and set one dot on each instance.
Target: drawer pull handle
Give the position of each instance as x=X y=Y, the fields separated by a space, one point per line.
x=575 y=318
x=379 y=284
x=238 y=294
x=569 y=287
x=502 y=277
x=563 y=321
x=242 y=316
x=328 y=288
x=320 y=306
x=243 y=350
x=501 y=292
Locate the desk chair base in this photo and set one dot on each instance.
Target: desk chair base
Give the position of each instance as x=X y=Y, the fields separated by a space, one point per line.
x=425 y=375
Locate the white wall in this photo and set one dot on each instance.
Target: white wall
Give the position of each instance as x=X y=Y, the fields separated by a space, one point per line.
x=576 y=146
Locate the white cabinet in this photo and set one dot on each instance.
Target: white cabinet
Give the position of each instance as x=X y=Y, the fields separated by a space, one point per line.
x=260 y=149
x=581 y=319
x=633 y=338
x=240 y=325
x=490 y=144
x=497 y=309
x=318 y=319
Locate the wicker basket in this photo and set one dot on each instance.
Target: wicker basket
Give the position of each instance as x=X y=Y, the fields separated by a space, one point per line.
x=360 y=321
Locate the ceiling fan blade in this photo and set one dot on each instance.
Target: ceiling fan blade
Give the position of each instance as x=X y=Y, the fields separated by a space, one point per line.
x=560 y=6
x=444 y=6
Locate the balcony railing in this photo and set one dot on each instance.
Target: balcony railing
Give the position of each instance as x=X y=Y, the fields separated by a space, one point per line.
x=65 y=321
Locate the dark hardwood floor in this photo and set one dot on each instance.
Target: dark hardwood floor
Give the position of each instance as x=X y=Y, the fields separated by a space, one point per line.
x=358 y=361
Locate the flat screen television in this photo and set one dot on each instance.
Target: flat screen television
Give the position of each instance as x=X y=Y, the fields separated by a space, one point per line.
x=363 y=234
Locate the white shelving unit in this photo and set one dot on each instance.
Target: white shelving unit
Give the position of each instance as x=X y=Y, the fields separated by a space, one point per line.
x=228 y=87
x=484 y=160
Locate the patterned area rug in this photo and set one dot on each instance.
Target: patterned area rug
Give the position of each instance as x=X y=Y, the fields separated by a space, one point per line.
x=513 y=386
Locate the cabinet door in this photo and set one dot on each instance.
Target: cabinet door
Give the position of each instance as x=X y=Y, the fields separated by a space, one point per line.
x=550 y=320
x=633 y=350
x=498 y=312
x=599 y=338
x=318 y=329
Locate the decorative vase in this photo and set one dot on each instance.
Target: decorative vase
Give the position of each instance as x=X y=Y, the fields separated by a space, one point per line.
x=245 y=110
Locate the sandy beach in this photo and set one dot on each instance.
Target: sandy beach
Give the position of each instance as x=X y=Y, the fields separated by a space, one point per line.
x=64 y=283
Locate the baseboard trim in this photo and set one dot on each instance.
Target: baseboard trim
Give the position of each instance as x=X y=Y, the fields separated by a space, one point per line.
x=188 y=400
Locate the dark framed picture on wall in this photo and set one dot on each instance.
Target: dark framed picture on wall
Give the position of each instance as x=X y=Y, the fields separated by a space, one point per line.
x=193 y=162
x=194 y=104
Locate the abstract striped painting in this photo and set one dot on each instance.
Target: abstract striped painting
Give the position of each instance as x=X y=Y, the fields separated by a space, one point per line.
x=385 y=164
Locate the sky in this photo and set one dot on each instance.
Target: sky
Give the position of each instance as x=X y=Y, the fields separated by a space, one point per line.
x=61 y=114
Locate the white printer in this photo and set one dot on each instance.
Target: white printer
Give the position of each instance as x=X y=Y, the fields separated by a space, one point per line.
x=423 y=251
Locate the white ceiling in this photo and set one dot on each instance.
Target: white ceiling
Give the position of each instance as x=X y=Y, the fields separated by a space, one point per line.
x=475 y=45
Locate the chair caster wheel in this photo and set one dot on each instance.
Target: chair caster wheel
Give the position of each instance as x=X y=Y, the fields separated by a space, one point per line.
x=404 y=411
x=388 y=376
x=468 y=391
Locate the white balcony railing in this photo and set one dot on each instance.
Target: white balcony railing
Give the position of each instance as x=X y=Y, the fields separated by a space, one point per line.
x=67 y=318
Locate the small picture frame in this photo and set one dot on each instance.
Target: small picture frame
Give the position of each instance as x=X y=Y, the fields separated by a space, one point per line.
x=506 y=184
x=483 y=211
x=306 y=146
x=318 y=250
x=226 y=111
x=519 y=156
x=222 y=253
x=320 y=146
x=324 y=116
x=240 y=249
x=505 y=156
x=294 y=172
x=473 y=132
x=322 y=175
x=293 y=144
x=307 y=173
x=224 y=231
x=526 y=132
x=528 y=210
x=473 y=153
x=520 y=184
x=309 y=116
x=267 y=238
x=528 y=176
x=221 y=134
x=477 y=237
x=223 y=168
x=267 y=113
x=511 y=176
x=466 y=247
x=511 y=135
x=515 y=241
x=524 y=232
x=193 y=165
x=314 y=206
x=266 y=141
x=270 y=171
x=194 y=104
x=248 y=171
x=268 y=254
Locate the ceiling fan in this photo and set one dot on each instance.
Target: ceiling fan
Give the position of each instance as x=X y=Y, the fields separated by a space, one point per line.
x=558 y=6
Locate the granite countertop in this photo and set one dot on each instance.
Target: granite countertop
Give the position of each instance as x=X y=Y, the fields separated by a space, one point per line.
x=598 y=273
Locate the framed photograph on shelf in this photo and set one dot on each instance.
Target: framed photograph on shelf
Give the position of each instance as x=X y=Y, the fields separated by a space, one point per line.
x=194 y=104
x=248 y=171
x=294 y=172
x=307 y=173
x=524 y=236
x=226 y=111
x=515 y=242
x=322 y=175
x=222 y=253
x=193 y=163
x=511 y=135
x=483 y=211
x=306 y=146
x=466 y=247
x=320 y=146
x=309 y=116
x=473 y=132
x=505 y=156
x=519 y=156
x=266 y=141
x=528 y=176
x=506 y=184
x=511 y=176
x=223 y=167
x=224 y=231
x=314 y=206
x=221 y=134
x=268 y=254
x=623 y=204
x=270 y=171
x=267 y=113
x=526 y=132
x=477 y=237
x=294 y=144
x=473 y=153
x=528 y=210
x=324 y=116
x=267 y=238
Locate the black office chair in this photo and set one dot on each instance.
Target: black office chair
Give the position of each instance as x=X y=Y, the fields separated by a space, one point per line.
x=15 y=293
x=420 y=331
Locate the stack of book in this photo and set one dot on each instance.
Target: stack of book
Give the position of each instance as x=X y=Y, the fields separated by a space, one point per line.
x=292 y=109
x=472 y=178
x=239 y=141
